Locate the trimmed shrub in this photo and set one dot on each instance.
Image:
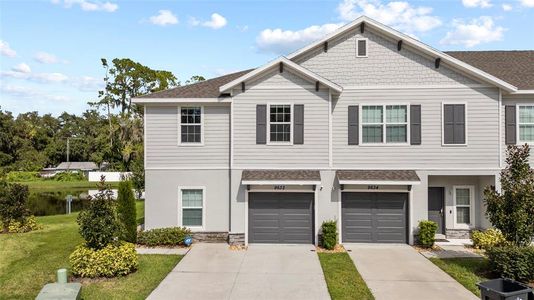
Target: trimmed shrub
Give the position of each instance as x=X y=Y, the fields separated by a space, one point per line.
x=513 y=262
x=486 y=239
x=17 y=176
x=126 y=211
x=329 y=234
x=99 y=224
x=171 y=236
x=110 y=261
x=27 y=225
x=68 y=176
x=427 y=233
x=13 y=203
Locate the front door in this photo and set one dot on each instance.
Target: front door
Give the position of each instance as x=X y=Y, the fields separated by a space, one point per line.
x=436 y=202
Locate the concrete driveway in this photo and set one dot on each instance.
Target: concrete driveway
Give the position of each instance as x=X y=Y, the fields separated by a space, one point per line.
x=400 y=272
x=212 y=271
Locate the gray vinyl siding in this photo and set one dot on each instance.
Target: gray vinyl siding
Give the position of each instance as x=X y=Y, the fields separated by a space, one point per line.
x=281 y=88
x=513 y=100
x=482 y=130
x=162 y=138
x=384 y=65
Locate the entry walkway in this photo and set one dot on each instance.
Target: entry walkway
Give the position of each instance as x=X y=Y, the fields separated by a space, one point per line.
x=212 y=271
x=399 y=272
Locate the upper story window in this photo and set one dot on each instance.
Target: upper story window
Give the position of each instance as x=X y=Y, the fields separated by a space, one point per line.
x=454 y=124
x=191 y=125
x=280 y=123
x=526 y=124
x=393 y=124
x=361 y=47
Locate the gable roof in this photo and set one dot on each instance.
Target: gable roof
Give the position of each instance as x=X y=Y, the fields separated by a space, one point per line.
x=204 y=89
x=286 y=62
x=77 y=165
x=515 y=67
x=392 y=33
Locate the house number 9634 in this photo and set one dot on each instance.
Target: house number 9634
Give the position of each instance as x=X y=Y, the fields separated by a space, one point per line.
x=279 y=187
x=372 y=187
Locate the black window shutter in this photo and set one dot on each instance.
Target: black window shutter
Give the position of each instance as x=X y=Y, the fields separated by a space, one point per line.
x=415 y=124
x=510 y=125
x=298 y=124
x=454 y=124
x=353 y=126
x=261 y=124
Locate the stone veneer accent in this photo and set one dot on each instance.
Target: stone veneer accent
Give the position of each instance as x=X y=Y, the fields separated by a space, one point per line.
x=236 y=239
x=210 y=237
x=458 y=233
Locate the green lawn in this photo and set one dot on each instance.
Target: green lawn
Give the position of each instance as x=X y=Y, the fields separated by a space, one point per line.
x=342 y=278
x=50 y=184
x=467 y=271
x=30 y=260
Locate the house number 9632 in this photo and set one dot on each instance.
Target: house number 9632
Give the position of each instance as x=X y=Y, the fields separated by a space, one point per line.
x=279 y=187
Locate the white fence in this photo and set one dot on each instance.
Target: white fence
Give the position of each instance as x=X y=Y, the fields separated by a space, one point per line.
x=110 y=176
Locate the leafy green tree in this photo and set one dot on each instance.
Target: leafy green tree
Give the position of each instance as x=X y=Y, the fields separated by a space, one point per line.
x=138 y=175
x=512 y=210
x=99 y=223
x=13 y=203
x=195 y=79
x=126 y=211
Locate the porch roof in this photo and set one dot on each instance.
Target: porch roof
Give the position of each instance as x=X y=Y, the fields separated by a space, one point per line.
x=388 y=177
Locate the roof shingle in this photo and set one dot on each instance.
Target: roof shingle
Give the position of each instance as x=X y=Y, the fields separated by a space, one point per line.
x=377 y=175
x=289 y=175
x=514 y=67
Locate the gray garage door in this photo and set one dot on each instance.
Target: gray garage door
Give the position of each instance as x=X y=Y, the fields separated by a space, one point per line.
x=374 y=217
x=280 y=218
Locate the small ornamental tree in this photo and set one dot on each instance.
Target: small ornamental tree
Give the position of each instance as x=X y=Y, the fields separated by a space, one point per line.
x=99 y=225
x=512 y=209
x=126 y=211
x=13 y=203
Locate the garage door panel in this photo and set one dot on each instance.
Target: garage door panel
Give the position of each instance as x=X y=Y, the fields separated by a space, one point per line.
x=289 y=218
x=374 y=217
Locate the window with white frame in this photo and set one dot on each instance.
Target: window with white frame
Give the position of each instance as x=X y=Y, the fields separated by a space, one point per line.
x=280 y=123
x=191 y=125
x=463 y=199
x=389 y=127
x=526 y=123
x=192 y=207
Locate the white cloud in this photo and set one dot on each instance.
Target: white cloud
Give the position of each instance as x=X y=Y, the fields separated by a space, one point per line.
x=89 y=5
x=49 y=77
x=242 y=28
x=527 y=3
x=30 y=93
x=507 y=7
x=477 y=3
x=87 y=84
x=47 y=58
x=22 y=68
x=5 y=50
x=397 y=14
x=164 y=18
x=476 y=31
x=282 y=41
x=216 y=22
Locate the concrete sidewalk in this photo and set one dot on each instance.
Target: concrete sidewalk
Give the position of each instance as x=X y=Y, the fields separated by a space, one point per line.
x=400 y=272
x=212 y=271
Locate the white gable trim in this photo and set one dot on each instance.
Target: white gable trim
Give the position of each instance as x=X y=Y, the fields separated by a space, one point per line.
x=303 y=71
x=388 y=31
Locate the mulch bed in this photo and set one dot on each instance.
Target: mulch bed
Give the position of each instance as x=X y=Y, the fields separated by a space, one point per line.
x=337 y=249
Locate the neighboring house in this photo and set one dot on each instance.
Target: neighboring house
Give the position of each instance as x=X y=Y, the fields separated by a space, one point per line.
x=74 y=166
x=367 y=126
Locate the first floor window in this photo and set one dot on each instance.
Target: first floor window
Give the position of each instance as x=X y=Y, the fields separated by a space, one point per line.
x=280 y=123
x=526 y=123
x=463 y=205
x=191 y=125
x=388 y=127
x=192 y=206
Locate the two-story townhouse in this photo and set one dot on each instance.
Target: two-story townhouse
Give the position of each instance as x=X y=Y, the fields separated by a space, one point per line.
x=367 y=126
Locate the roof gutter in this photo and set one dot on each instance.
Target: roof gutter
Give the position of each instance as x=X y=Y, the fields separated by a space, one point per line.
x=142 y=101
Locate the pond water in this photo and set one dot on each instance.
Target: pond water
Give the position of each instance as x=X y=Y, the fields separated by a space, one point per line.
x=53 y=202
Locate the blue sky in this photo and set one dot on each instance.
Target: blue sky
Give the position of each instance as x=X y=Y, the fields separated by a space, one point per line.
x=51 y=50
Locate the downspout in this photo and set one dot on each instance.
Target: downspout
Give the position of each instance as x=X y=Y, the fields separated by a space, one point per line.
x=230 y=164
x=500 y=128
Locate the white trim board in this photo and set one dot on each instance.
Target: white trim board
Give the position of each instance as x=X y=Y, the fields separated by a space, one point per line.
x=409 y=41
x=379 y=182
x=141 y=101
x=279 y=182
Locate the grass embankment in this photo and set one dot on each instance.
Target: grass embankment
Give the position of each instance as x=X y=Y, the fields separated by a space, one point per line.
x=342 y=277
x=30 y=260
x=467 y=271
